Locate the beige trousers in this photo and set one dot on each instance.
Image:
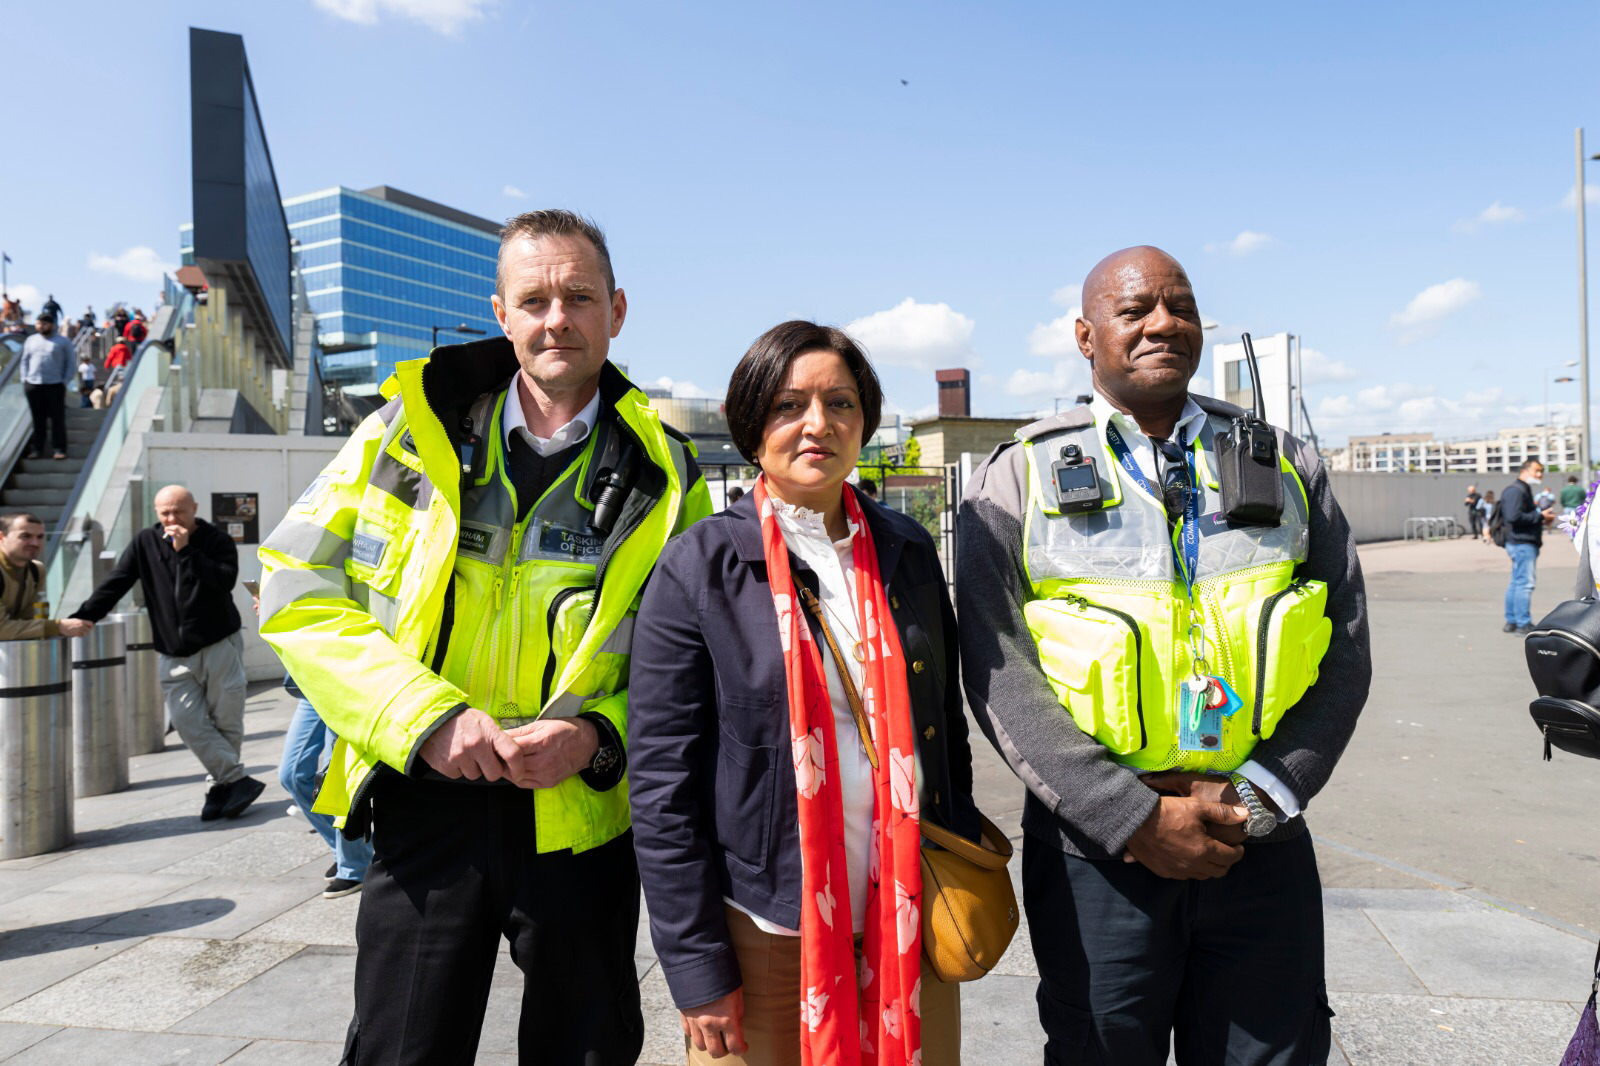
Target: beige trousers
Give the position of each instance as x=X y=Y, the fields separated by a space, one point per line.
x=770 y=965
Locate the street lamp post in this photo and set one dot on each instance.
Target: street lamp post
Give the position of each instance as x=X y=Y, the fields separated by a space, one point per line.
x=463 y=328
x=1579 y=192
x=1564 y=379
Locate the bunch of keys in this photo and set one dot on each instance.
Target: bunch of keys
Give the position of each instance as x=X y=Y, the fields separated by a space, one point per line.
x=1203 y=702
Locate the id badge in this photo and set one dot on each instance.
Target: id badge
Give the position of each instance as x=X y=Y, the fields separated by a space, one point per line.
x=1202 y=705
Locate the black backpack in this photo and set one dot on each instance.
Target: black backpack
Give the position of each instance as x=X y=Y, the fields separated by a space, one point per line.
x=1497 y=524
x=1564 y=660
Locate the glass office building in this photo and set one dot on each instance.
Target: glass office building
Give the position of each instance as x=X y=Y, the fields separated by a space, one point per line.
x=383 y=268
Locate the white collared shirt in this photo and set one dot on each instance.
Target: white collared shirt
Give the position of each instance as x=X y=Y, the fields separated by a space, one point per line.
x=574 y=432
x=1190 y=422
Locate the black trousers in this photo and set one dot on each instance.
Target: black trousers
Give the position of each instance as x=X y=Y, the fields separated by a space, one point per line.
x=1233 y=965
x=454 y=870
x=1475 y=521
x=47 y=403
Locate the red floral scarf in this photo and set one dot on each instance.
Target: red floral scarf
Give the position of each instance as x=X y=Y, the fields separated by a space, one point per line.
x=884 y=1025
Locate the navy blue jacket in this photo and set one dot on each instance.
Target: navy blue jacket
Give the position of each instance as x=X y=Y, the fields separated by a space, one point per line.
x=1524 y=521
x=712 y=781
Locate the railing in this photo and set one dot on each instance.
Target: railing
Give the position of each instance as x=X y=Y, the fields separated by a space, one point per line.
x=15 y=416
x=1432 y=528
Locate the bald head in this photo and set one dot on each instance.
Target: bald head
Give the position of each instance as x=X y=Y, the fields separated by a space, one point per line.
x=1140 y=330
x=175 y=506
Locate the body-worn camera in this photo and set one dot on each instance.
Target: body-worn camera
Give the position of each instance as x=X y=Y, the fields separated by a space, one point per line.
x=1077 y=482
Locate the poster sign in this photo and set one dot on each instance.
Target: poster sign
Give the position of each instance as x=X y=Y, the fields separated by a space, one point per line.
x=238 y=514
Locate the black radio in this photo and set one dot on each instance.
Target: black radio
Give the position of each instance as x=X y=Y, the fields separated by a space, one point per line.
x=1247 y=461
x=1077 y=482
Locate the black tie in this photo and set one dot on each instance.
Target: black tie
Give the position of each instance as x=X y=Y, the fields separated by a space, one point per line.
x=1174 y=477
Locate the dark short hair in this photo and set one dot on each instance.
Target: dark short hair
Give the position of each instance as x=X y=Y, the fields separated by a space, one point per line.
x=1529 y=464
x=759 y=376
x=554 y=222
x=15 y=518
x=869 y=486
x=1573 y=480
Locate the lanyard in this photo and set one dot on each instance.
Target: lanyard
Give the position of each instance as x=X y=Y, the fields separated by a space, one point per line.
x=1186 y=544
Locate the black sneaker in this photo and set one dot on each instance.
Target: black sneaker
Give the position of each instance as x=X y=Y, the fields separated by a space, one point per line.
x=216 y=796
x=1509 y=627
x=1525 y=629
x=332 y=874
x=340 y=886
x=241 y=794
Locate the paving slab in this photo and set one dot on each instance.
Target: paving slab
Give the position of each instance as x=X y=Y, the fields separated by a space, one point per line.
x=1402 y=899
x=316 y=921
x=1000 y=1021
x=150 y=986
x=213 y=908
x=109 y=1047
x=1490 y=956
x=35 y=959
x=79 y=903
x=663 y=1039
x=309 y=996
x=287 y=1053
x=261 y=853
x=15 y=1037
x=15 y=884
x=1386 y=1030
x=1361 y=959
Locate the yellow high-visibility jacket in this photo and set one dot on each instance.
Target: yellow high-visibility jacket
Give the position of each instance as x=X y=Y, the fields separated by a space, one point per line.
x=361 y=598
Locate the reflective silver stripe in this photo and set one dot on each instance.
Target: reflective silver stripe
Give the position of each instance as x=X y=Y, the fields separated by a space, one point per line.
x=406 y=485
x=1132 y=540
x=286 y=585
x=307 y=542
x=385 y=610
x=620 y=642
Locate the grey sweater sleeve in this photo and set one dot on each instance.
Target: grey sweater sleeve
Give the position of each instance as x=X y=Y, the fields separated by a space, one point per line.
x=1096 y=803
x=1309 y=740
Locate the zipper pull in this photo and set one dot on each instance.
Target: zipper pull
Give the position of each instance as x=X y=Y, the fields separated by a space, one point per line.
x=499 y=587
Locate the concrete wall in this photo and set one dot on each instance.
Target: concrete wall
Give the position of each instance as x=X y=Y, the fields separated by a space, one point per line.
x=276 y=468
x=1378 y=505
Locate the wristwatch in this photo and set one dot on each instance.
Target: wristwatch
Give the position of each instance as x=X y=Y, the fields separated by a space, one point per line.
x=605 y=759
x=605 y=770
x=1262 y=821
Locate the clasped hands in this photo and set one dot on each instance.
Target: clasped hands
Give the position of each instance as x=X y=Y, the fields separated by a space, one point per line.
x=1196 y=830
x=542 y=754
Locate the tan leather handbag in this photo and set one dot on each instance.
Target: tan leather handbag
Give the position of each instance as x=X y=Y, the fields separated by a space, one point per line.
x=969 y=909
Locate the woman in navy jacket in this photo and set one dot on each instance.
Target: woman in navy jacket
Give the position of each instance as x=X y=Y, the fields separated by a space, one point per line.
x=713 y=780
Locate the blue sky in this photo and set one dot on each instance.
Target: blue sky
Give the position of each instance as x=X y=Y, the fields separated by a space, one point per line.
x=1386 y=179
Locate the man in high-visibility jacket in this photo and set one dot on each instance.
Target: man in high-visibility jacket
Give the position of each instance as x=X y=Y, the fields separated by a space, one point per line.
x=455 y=593
x=1168 y=684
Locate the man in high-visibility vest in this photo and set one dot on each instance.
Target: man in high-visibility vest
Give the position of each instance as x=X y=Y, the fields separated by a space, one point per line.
x=1172 y=684
x=455 y=594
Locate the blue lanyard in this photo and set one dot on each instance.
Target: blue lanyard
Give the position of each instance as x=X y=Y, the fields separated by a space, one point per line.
x=1186 y=546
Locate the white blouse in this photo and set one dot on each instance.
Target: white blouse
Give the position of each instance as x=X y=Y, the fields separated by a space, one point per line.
x=833 y=561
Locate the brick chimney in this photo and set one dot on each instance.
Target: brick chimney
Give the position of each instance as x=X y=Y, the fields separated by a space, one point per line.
x=955 y=393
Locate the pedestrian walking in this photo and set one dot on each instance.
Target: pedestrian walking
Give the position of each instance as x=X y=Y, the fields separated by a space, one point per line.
x=23 y=609
x=1474 y=511
x=307 y=749
x=1173 y=687
x=46 y=369
x=86 y=376
x=188 y=568
x=51 y=308
x=1572 y=495
x=454 y=595
x=1524 y=524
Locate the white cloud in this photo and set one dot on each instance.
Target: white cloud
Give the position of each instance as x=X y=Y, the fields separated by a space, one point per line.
x=1406 y=408
x=443 y=16
x=1591 y=195
x=1495 y=214
x=514 y=192
x=1318 y=369
x=1433 y=304
x=1058 y=338
x=683 y=390
x=1246 y=242
x=139 y=263
x=922 y=336
x=1068 y=296
x=1043 y=386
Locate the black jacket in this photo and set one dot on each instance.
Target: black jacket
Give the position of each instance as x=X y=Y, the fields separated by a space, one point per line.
x=189 y=593
x=1524 y=521
x=713 y=788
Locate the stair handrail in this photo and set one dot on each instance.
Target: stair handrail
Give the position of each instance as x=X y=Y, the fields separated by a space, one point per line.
x=8 y=463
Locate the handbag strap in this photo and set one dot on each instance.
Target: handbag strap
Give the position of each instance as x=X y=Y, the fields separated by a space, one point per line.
x=851 y=696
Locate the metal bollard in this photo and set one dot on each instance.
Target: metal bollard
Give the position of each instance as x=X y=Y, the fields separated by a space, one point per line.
x=35 y=747
x=100 y=710
x=146 y=724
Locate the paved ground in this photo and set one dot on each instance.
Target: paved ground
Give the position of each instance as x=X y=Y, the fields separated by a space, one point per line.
x=161 y=939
